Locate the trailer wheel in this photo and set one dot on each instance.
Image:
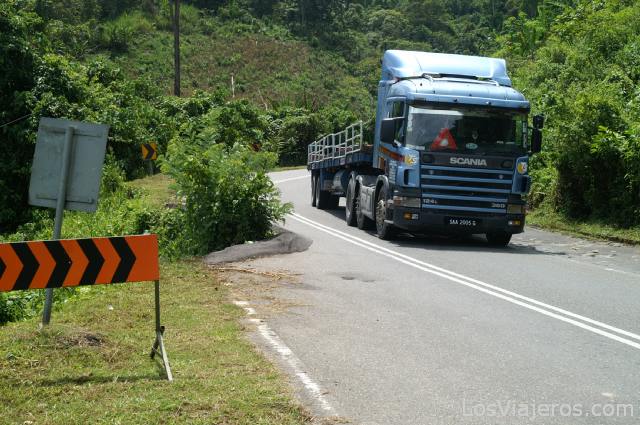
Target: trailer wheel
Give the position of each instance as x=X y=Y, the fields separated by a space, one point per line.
x=313 y=190
x=499 y=238
x=351 y=205
x=384 y=230
x=325 y=200
x=316 y=193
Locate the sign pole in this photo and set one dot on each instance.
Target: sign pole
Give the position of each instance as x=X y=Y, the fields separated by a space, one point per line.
x=60 y=203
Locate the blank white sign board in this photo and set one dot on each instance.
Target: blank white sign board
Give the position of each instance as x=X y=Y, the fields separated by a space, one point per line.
x=89 y=144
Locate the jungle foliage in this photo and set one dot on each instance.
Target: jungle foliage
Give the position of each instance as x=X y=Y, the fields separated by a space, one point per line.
x=579 y=64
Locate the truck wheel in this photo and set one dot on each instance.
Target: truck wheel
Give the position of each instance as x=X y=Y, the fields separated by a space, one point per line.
x=384 y=230
x=313 y=190
x=498 y=238
x=362 y=221
x=324 y=199
x=352 y=200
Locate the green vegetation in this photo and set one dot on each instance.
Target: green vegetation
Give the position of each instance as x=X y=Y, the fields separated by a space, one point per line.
x=156 y=188
x=547 y=218
x=230 y=187
x=92 y=364
x=579 y=66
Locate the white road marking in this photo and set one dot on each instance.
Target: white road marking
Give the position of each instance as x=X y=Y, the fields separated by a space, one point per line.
x=512 y=297
x=314 y=390
x=306 y=176
x=609 y=269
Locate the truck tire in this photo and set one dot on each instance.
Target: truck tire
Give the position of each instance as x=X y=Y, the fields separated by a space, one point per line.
x=316 y=192
x=352 y=201
x=324 y=199
x=313 y=190
x=384 y=230
x=498 y=238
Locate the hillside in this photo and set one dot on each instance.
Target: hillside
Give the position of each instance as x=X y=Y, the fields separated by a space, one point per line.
x=307 y=67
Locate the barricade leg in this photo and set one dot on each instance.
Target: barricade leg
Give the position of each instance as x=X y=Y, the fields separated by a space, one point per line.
x=158 y=344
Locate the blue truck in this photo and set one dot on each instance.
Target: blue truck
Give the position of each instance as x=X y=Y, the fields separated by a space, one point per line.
x=449 y=155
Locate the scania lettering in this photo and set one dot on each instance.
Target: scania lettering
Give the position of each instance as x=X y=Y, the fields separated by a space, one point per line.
x=468 y=161
x=449 y=153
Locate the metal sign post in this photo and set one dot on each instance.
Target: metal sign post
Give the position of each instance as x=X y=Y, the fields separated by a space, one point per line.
x=57 y=226
x=66 y=173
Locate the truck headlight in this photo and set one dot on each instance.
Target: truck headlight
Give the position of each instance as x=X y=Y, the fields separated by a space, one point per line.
x=406 y=201
x=515 y=209
x=522 y=167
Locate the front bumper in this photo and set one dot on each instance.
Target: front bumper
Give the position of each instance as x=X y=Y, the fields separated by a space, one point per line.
x=438 y=222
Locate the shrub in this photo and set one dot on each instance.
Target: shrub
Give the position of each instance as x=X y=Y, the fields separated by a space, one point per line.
x=116 y=35
x=228 y=197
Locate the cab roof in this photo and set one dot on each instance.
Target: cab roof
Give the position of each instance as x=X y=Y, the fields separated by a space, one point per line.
x=445 y=78
x=401 y=64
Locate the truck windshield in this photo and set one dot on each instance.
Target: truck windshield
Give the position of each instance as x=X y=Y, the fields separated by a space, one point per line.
x=479 y=132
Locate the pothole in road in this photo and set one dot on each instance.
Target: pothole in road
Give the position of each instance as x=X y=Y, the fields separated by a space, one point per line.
x=350 y=277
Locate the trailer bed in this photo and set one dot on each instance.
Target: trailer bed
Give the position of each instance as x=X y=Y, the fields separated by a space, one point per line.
x=337 y=150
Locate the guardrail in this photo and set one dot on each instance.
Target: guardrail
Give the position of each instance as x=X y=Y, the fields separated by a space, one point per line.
x=336 y=145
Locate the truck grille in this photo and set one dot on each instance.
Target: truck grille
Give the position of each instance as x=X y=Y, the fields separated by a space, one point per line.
x=456 y=189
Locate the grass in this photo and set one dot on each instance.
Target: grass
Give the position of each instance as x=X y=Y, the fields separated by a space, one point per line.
x=92 y=364
x=157 y=190
x=551 y=220
x=290 y=167
x=266 y=70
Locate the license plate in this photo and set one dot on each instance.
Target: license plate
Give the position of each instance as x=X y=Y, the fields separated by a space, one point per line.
x=462 y=222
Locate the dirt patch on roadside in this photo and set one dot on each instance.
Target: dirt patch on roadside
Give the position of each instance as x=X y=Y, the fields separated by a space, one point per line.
x=258 y=286
x=248 y=283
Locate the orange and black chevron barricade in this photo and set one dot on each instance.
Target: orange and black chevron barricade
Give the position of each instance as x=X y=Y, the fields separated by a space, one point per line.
x=76 y=262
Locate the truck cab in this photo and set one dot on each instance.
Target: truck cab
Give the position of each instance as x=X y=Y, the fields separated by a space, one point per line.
x=450 y=152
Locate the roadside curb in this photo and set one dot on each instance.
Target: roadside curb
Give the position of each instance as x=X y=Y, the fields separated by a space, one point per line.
x=285 y=242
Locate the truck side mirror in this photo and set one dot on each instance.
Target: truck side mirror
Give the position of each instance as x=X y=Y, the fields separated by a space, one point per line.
x=388 y=129
x=538 y=122
x=536 y=140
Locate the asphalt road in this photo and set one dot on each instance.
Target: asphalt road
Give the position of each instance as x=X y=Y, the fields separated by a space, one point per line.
x=426 y=330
